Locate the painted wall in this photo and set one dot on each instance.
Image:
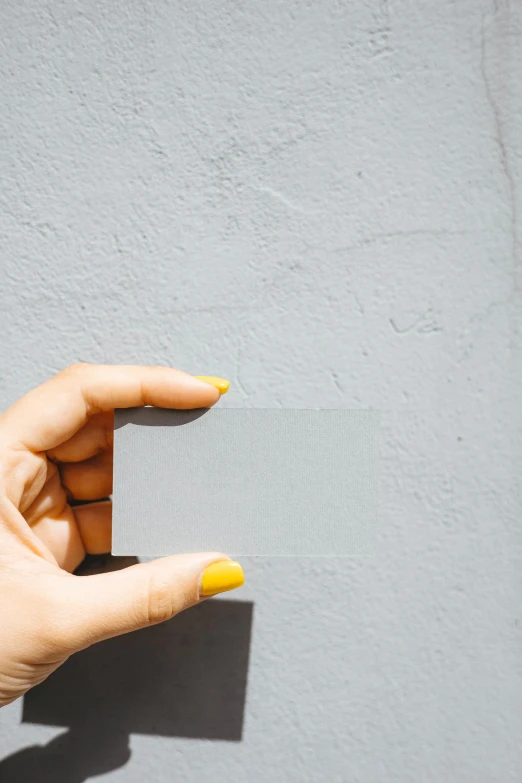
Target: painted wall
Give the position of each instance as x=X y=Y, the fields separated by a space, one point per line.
x=321 y=201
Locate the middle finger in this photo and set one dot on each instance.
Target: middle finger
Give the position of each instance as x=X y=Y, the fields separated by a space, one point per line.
x=95 y=436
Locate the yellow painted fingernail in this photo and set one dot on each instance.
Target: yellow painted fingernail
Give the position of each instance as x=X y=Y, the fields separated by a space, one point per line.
x=221 y=384
x=220 y=577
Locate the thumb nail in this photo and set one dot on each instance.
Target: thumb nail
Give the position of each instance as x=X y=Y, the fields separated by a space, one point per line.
x=220 y=577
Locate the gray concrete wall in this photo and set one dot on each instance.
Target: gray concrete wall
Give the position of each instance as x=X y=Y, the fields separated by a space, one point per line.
x=321 y=201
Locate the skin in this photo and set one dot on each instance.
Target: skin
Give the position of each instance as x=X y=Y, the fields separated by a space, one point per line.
x=56 y=446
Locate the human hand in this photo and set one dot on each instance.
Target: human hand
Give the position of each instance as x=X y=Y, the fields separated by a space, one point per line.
x=56 y=446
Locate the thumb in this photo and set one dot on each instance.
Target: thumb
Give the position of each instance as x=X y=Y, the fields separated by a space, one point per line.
x=106 y=605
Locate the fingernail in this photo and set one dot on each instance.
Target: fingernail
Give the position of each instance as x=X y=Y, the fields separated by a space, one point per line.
x=220 y=577
x=221 y=384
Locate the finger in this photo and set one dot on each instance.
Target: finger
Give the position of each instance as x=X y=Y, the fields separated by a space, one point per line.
x=50 y=500
x=52 y=521
x=110 y=604
x=89 y=480
x=94 y=522
x=95 y=436
x=62 y=538
x=53 y=412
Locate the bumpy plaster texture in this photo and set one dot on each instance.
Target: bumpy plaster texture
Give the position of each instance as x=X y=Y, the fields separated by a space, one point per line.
x=321 y=201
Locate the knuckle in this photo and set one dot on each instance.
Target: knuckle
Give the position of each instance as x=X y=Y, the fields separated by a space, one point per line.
x=158 y=603
x=78 y=368
x=107 y=439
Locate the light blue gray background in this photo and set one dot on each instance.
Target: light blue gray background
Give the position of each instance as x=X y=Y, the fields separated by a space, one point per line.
x=321 y=201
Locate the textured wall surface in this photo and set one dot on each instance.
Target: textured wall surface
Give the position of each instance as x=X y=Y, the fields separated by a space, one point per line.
x=322 y=201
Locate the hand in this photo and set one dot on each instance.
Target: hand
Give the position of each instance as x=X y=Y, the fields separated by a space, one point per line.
x=55 y=446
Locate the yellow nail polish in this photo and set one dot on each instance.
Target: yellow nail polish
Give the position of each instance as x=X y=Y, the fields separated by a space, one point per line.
x=221 y=384
x=220 y=577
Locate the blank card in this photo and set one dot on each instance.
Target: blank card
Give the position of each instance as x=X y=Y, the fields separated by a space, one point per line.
x=245 y=481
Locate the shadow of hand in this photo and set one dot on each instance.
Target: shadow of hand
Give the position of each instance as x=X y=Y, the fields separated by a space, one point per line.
x=184 y=678
x=72 y=757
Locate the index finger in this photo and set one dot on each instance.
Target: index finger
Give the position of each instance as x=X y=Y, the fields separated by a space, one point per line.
x=53 y=412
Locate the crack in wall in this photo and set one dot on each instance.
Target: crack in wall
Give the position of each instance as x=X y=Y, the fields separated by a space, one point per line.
x=437 y=233
x=239 y=381
x=501 y=144
x=425 y=323
x=278 y=196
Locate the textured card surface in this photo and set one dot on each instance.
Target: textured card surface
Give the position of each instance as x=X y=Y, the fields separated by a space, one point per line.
x=245 y=481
